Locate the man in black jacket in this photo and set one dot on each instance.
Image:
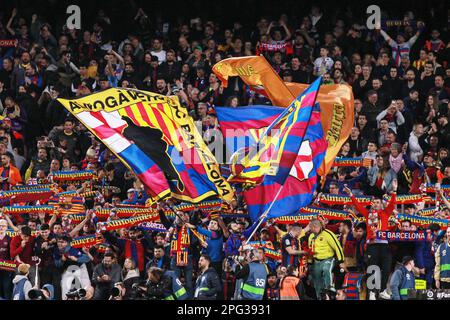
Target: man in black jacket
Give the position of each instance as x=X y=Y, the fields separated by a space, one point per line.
x=208 y=285
x=105 y=276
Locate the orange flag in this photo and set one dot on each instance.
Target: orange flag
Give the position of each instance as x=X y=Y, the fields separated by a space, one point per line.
x=336 y=101
x=256 y=72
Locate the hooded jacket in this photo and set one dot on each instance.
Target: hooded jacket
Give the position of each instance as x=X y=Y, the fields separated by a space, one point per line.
x=25 y=289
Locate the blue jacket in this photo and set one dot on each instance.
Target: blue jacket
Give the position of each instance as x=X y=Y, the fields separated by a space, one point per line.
x=214 y=239
x=401 y=281
x=423 y=255
x=69 y=251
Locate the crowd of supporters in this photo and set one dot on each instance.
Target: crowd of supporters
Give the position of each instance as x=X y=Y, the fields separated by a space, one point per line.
x=400 y=77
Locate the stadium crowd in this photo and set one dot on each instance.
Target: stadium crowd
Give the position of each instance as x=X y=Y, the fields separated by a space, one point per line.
x=400 y=76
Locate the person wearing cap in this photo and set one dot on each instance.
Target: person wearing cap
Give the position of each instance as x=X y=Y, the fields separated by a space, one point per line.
x=22 y=284
x=403 y=279
x=442 y=268
x=326 y=249
x=70 y=264
x=131 y=196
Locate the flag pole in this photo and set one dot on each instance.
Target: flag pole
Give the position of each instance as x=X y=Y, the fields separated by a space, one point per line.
x=261 y=218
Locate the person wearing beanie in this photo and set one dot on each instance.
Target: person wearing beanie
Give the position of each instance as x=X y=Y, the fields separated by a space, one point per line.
x=22 y=284
x=403 y=279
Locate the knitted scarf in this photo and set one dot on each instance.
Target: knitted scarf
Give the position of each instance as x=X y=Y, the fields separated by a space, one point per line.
x=181 y=239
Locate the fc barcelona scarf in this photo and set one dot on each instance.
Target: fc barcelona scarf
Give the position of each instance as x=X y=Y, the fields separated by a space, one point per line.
x=431 y=188
x=181 y=240
x=28 y=209
x=33 y=186
x=404 y=236
x=331 y=199
x=409 y=198
x=329 y=214
x=352 y=162
x=299 y=218
x=27 y=195
x=73 y=176
x=126 y=223
x=152 y=226
x=213 y=205
x=8 y=265
x=86 y=241
x=105 y=213
x=423 y=221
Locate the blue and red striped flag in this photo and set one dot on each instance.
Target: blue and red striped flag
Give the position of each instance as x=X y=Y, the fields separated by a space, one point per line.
x=300 y=184
x=300 y=154
x=277 y=146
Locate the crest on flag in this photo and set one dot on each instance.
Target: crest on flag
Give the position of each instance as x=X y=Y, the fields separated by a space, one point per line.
x=304 y=163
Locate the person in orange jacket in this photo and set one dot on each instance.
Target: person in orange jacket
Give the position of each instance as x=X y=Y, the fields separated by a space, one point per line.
x=9 y=175
x=291 y=286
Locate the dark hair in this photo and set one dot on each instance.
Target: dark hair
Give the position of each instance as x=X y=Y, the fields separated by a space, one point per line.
x=206 y=257
x=347 y=223
x=26 y=231
x=158 y=247
x=290 y=270
x=361 y=225
x=161 y=234
x=156 y=272
x=109 y=254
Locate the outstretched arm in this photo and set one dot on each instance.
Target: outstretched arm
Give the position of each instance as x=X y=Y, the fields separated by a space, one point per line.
x=359 y=207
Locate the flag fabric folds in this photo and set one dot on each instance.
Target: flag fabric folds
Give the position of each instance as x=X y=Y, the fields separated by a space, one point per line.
x=300 y=184
x=301 y=181
x=153 y=136
x=276 y=150
x=336 y=101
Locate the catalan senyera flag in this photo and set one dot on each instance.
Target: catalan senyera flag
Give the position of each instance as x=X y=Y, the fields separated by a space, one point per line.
x=154 y=136
x=336 y=101
x=277 y=148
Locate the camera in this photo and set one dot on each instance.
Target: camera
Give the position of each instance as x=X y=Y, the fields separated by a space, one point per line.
x=36 y=294
x=328 y=295
x=76 y=294
x=116 y=292
x=137 y=293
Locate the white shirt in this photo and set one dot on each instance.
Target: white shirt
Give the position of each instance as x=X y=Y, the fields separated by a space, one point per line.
x=161 y=55
x=323 y=65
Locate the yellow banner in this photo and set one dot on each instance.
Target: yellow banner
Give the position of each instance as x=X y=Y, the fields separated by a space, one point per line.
x=165 y=114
